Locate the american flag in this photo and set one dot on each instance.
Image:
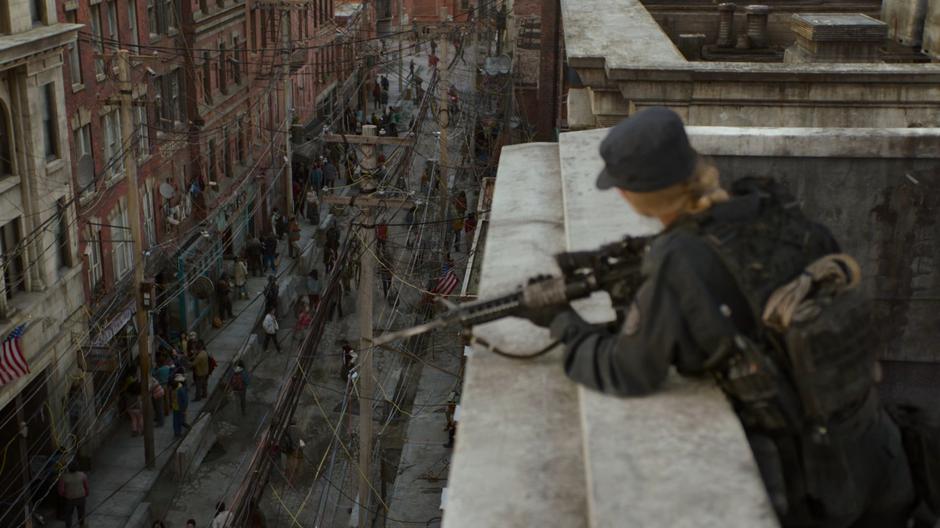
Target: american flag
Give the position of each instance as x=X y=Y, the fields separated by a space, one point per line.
x=446 y=284
x=12 y=363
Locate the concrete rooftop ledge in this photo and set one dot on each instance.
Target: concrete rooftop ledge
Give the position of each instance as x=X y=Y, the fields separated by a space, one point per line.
x=615 y=31
x=796 y=142
x=518 y=457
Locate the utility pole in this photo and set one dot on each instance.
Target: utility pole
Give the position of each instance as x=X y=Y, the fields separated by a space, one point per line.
x=133 y=211
x=368 y=142
x=288 y=95
x=443 y=122
x=366 y=390
x=401 y=56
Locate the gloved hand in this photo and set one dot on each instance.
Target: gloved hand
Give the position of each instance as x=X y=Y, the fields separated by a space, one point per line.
x=537 y=305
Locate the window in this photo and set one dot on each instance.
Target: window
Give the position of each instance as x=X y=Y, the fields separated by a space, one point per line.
x=222 y=60
x=6 y=141
x=171 y=14
x=75 y=57
x=264 y=27
x=122 y=246
x=226 y=153
x=12 y=258
x=206 y=78
x=94 y=256
x=82 y=138
x=212 y=164
x=111 y=9
x=50 y=124
x=132 y=22
x=63 y=253
x=111 y=124
x=152 y=18
x=239 y=140
x=141 y=130
x=254 y=28
x=236 y=65
x=170 y=109
x=98 y=38
x=150 y=228
x=36 y=11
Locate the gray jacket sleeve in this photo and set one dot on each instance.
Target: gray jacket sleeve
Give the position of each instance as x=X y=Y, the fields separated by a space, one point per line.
x=675 y=318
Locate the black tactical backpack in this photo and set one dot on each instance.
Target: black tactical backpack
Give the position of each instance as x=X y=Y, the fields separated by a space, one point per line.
x=813 y=366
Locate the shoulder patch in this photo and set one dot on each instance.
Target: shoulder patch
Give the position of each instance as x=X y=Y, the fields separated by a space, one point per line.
x=631 y=324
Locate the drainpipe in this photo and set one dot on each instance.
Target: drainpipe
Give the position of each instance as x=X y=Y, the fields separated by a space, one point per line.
x=726 y=24
x=757 y=25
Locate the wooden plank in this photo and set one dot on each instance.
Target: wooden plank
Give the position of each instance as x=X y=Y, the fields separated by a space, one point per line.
x=368 y=140
x=367 y=201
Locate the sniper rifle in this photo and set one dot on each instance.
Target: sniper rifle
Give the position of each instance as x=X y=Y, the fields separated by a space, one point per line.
x=614 y=268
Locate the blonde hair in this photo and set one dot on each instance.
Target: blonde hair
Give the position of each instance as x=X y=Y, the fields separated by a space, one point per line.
x=693 y=195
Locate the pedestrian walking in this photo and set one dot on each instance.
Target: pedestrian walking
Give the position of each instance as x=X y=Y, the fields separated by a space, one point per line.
x=313 y=207
x=419 y=92
x=179 y=401
x=282 y=226
x=223 y=299
x=157 y=397
x=314 y=288
x=456 y=227
x=73 y=487
x=385 y=273
x=164 y=375
x=223 y=518
x=270 y=327
x=269 y=253
x=451 y=425
x=292 y=446
x=432 y=61
x=238 y=382
x=134 y=406
x=381 y=235
x=293 y=238
x=377 y=94
x=349 y=360
x=253 y=252
x=201 y=373
x=329 y=259
x=241 y=278
x=276 y=223
x=469 y=226
x=191 y=523
x=304 y=319
x=316 y=176
x=329 y=173
x=271 y=292
x=384 y=82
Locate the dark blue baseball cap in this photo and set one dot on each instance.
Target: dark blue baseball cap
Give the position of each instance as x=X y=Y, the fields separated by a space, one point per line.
x=646 y=152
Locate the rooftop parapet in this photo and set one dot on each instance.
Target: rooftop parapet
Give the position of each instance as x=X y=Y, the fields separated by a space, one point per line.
x=626 y=62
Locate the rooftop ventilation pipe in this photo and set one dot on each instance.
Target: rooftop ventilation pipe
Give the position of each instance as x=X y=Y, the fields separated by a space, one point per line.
x=757 y=25
x=726 y=24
